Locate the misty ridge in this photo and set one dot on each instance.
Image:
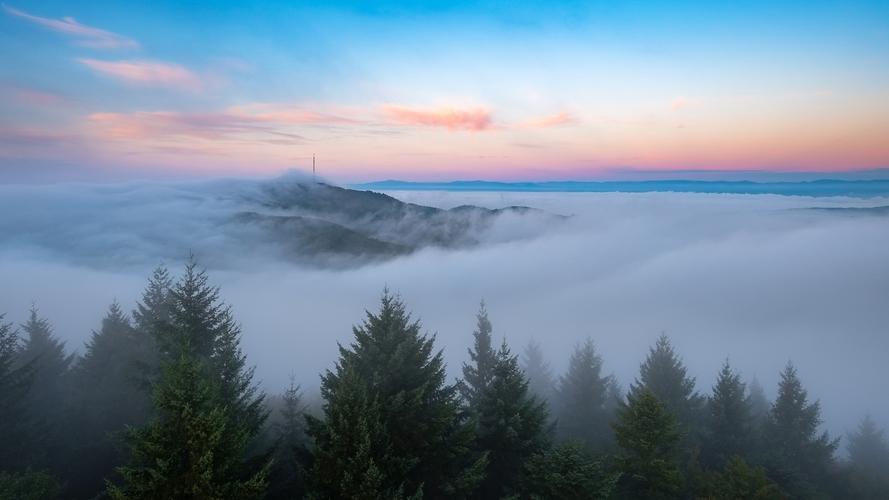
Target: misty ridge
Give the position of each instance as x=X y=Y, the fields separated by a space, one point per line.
x=758 y=281
x=292 y=218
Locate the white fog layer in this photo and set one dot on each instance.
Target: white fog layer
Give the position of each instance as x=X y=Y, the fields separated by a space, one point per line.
x=760 y=279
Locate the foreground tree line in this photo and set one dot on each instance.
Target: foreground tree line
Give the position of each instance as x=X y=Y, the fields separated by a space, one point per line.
x=162 y=404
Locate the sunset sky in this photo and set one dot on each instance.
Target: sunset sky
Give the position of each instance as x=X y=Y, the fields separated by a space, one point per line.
x=505 y=90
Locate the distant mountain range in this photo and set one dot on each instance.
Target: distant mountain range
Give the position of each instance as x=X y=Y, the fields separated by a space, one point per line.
x=823 y=187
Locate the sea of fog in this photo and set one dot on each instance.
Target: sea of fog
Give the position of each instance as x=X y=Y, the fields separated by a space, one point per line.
x=757 y=279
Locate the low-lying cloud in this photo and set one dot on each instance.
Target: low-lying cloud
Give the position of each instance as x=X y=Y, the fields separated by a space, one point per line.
x=757 y=279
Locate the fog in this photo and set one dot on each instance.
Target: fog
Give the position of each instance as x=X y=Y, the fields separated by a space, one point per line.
x=758 y=279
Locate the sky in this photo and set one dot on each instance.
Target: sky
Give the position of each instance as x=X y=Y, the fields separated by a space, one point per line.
x=97 y=91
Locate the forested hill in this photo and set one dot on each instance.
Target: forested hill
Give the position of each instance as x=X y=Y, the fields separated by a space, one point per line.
x=290 y=218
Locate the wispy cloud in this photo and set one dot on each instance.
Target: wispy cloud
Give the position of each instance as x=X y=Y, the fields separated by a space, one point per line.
x=474 y=119
x=148 y=73
x=85 y=35
x=31 y=96
x=550 y=121
x=679 y=103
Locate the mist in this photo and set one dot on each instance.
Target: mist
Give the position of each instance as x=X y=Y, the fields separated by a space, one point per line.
x=757 y=279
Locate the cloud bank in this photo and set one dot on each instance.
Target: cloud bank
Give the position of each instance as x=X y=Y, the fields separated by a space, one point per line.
x=758 y=279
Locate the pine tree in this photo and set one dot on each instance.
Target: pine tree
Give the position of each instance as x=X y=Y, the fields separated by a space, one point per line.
x=737 y=480
x=391 y=422
x=567 y=472
x=108 y=397
x=191 y=450
x=664 y=374
x=152 y=321
x=511 y=427
x=583 y=396
x=541 y=382
x=47 y=398
x=15 y=381
x=759 y=403
x=648 y=438
x=477 y=374
x=288 y=474
x=728 y=426
x=207 y=408
x=800 y=458
x=869 y=460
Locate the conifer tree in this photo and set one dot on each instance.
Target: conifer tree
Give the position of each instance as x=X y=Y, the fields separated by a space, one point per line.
x=207 y=408
x=759 y=403
x=583 y=396
x=728 y=425
x=192 y=449
x=288 y=475
x=511 y=427
x=869 y=460
x=800 y=459
x=152 y=320
x=47 y=398
x=108 y=397
x=15 y=422
x=739 y=480
x=664 y=374
x=567 y=472
x=477 y=374
x=648 y=437
x=391 y=422
x=541 y=382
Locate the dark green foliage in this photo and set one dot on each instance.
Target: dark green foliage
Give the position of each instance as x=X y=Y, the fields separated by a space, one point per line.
x=664 y=374
x=567 y=472
x=647 y=435
x=799 y=458
x=191 y=450
x=477 y=374
x=869 y=461
x=47 y=398
x=109 y=395
x=541 y=382
x=391 y=423
x=729 y=423
x=29 y=485
x=585 y=411
x=511 y=427
x=738 y=480
x=15 y=423
x=288 y=474
x=207 y=410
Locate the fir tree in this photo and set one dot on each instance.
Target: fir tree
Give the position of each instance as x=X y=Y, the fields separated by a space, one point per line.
x=288 y=474
x=47 y=398
x=728 y=426
x=664 y=374
x=108 y=397
x=477 y=374
x=739 y=480
x=15 y=423
x=567 y=472
x=191 y=449
x=869 y=460
x=759 y=403
x=511 y=427
x=541 y=382
x=648 y=437
x=389 y=416
x=207 y=408
x=152 y=321
x=800 y=458
x=584 y=400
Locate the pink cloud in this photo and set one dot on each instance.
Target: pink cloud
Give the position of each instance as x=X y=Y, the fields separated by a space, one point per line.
x=31 y=96
x=475 y=119
x=549 y=121
x=679 y=103
x=149 y=73
x=290 y=114
x=86 y=35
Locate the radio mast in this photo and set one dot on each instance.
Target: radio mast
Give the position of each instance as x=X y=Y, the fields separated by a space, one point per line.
x=313 y=168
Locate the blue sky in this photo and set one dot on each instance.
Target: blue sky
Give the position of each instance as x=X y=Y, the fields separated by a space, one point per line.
x=441 y=90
